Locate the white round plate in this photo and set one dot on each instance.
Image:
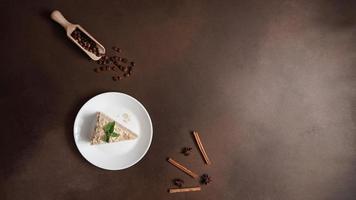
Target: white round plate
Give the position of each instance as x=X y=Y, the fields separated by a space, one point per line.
x=125 y=110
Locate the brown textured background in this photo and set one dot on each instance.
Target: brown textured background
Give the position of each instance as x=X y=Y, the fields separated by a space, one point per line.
x=270 y=85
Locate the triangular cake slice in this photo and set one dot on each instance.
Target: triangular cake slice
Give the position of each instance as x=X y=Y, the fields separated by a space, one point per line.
x=108 y=130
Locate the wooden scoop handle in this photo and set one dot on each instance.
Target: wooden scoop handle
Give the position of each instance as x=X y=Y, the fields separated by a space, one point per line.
x=59 y=18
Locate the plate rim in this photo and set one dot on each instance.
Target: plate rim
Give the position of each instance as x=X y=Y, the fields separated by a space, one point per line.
x=150 y=123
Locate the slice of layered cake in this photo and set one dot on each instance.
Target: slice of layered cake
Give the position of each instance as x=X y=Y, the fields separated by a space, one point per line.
x=108 y=130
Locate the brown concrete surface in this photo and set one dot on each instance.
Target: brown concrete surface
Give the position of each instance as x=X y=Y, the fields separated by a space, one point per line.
x=270 y=85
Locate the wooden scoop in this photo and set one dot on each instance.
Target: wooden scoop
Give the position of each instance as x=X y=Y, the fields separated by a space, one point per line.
x=69 y=27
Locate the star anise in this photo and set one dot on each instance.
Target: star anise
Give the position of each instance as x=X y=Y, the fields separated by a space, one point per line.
x=186 y=151
x=205 y=179
x=178 y=182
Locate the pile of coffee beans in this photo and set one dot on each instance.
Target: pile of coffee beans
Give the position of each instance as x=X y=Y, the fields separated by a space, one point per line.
x=120 y=66
x=85 y=41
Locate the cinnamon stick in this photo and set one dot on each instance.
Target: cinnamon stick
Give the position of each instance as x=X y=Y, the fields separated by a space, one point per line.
x=181 y=167
x=201 y=148
x=190 y=189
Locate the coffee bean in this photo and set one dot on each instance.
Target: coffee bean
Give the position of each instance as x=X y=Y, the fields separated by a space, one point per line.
x=132 y=63
x=96 y=70
x=124 y=60
x=113 y=68
x=117 y=49
x=101 y=68
x=118 y=77
x=126 y=75
x=114 y=78
x=125 y=69
x=130 y=70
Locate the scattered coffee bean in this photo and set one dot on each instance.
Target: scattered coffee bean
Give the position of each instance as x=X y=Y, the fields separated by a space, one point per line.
x=205 y=179
x=113 y=58
x=96 y=70
x=117 y=49
x=109 y=63
x=186 y=151
x=178 y=182
x=101 y=60
x=124 y=69
x=124 y=60
x=119 y=66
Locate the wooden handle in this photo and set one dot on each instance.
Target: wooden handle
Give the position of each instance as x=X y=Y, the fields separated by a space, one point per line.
x=58 y=17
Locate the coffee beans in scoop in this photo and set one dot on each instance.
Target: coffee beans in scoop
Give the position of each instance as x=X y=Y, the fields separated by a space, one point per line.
x=85 y=41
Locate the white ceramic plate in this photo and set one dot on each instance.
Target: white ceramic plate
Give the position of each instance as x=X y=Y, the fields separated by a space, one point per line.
x=125 y=110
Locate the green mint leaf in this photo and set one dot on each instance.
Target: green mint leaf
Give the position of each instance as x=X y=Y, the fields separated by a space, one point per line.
x=109 y=131
x=113 y=134
x=105 y=138
x=109 y=127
